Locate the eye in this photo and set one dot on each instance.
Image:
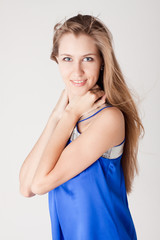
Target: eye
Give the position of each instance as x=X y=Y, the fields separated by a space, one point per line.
x=88 y=59
x=67 y=59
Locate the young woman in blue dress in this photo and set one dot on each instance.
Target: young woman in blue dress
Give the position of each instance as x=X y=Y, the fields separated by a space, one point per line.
x=86 y=156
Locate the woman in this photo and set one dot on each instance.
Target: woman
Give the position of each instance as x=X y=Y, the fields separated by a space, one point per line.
x=86 y=157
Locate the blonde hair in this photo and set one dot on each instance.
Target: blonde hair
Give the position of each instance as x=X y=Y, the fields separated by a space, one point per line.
x=112 y=82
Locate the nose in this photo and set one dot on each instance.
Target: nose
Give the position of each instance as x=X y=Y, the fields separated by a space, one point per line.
x=78 y=69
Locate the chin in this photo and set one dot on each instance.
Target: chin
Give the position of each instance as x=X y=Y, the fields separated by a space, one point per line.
x=80 y=92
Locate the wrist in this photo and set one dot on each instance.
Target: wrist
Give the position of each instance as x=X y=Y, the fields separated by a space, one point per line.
x=72 y=112
x=55 y=116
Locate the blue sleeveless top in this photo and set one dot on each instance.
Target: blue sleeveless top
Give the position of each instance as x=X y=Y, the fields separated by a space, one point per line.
x=93 y=205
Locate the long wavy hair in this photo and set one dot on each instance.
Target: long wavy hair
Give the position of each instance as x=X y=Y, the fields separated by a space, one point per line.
x=112 y=82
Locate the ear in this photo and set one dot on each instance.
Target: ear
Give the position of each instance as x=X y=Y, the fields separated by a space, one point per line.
x=102 y=64
x=102 y=61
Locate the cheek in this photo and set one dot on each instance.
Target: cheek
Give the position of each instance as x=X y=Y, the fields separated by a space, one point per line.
x=95 y=68
x=95 y=72
x=64 y=71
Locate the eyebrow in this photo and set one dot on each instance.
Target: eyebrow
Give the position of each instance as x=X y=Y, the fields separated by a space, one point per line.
x=66 y=54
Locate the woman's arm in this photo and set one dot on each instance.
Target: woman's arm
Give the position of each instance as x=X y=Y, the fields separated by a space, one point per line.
x=31 y=162
x=59 y=163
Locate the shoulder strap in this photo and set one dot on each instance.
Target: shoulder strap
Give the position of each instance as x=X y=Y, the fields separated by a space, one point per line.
x=93 y=114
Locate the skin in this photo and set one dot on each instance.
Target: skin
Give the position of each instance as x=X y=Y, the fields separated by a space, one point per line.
x=78 y=59
x=50 y=163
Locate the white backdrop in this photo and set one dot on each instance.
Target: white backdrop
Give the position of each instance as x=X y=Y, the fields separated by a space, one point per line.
x=30 y=85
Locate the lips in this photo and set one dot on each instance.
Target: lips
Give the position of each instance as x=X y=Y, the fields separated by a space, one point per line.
x=78 y=83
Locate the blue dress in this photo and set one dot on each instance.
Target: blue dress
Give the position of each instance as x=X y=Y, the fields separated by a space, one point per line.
x=93 y=205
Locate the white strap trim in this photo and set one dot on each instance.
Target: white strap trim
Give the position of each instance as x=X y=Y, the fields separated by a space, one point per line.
x=114 y=152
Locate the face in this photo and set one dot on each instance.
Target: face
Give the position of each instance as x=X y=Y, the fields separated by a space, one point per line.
x=79 y=63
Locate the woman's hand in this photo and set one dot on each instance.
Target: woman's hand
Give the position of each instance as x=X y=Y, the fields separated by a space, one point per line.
x=94 y=98
x=61 y=104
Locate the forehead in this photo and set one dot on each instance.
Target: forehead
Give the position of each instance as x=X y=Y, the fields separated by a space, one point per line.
x=82 y=43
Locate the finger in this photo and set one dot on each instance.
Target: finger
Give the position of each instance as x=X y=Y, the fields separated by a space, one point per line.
x=99 y=94
x=95 y=88
x=100 y=102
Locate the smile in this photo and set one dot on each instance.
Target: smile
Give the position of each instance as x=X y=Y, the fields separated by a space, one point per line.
x=78 y=83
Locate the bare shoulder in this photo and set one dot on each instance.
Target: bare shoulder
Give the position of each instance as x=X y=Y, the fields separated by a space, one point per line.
x=110 y=122
x=111 y=114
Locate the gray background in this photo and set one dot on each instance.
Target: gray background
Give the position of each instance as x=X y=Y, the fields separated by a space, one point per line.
x=30 y=85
